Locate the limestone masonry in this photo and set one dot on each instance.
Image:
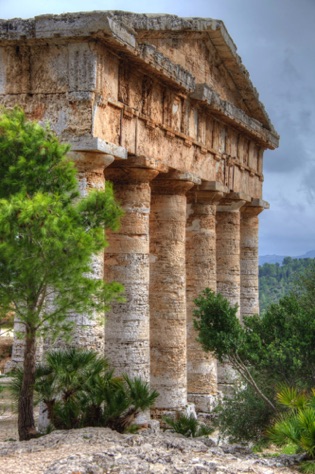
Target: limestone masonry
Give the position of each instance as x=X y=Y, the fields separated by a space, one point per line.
x=162 y=107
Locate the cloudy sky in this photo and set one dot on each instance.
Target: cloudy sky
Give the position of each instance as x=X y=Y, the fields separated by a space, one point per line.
x=276 y=40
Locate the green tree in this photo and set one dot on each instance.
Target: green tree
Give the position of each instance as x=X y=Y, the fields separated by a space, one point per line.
x=220 y=332
x=47 y=238
x=277 y=281
x=277 y=347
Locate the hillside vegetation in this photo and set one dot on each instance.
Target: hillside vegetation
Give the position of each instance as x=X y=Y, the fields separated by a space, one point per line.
x=276 y=281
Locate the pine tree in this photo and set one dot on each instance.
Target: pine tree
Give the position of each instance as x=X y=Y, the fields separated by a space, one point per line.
x=47 y=239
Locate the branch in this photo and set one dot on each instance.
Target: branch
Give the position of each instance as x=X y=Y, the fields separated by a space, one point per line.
x=245 y=373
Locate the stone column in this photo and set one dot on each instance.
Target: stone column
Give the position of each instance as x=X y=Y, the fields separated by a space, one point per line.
x=228 y=264
x=127 y=327
x=249 y=304
x=201 y=274
x=168 y=290
x=89 y=332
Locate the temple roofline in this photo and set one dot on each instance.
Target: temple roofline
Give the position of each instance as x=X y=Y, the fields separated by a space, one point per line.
x=130 y=32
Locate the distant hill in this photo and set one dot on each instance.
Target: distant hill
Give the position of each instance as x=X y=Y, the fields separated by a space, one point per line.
x=279 y=258
x=276 y=280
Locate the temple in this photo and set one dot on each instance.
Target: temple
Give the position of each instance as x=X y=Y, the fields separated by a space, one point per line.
x=162 y=107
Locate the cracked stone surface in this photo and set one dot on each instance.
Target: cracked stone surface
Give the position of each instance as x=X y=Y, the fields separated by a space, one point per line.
x=100 y=451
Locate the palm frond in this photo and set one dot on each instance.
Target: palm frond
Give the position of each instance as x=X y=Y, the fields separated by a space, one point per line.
x=292 y=398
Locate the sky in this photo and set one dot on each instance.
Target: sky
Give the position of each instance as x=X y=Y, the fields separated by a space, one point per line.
x=276 y=41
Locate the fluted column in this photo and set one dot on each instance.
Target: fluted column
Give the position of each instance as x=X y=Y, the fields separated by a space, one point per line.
x=249 y=257
x=201 y=274
x=168 y=290
x=127 y=327
x=228 y=264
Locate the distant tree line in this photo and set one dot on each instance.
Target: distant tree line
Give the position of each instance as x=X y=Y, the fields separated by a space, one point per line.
x=276 y=281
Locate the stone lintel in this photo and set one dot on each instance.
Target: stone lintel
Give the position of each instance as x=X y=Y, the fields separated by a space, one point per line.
x=89 y=161
x=97 y=145
x=207 y=95
x=174 y=182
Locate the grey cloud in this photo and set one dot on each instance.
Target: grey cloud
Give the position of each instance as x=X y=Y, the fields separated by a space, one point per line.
x=289 y=70
x=291 y=154
x=308 y=184
x=306 y=118
x=281 y=231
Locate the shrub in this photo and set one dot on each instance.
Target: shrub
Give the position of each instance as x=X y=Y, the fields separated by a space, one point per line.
x=297 y=423
x=244 y=416
x=188 y=426
x=78 y=389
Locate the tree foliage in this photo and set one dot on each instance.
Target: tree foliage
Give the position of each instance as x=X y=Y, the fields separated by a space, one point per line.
x=243 y=416
x=47 y=239
x=270 y=350
x=220 y=332
x=277 y=281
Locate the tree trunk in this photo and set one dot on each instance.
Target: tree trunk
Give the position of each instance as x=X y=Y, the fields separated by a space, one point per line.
x=26 y=423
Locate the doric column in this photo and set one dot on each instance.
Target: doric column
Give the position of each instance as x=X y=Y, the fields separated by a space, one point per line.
x=168 y=289
x=201 y=274
x=89 y=332
x=228 y=264
x=228 y=246
x=249 y=256
x=127 y=327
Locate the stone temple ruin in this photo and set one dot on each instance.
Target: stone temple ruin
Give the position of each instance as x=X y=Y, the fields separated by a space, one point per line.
x=162 y=107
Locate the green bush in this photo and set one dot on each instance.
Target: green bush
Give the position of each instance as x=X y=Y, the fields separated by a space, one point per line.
x=188 y=426
x=78 y=389
x=243 y=416
x=297 y=424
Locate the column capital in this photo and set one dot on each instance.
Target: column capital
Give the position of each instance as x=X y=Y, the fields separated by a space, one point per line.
x=90 y=161
x=87 y=143
x=233 y=202
x=255 y=207
x=136 y=169
x=208 y=192
x=174 y=182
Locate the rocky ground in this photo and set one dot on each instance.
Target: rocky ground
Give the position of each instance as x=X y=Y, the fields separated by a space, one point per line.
x=102 y=451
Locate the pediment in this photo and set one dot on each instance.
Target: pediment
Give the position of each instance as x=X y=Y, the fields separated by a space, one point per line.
x=205 y=50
